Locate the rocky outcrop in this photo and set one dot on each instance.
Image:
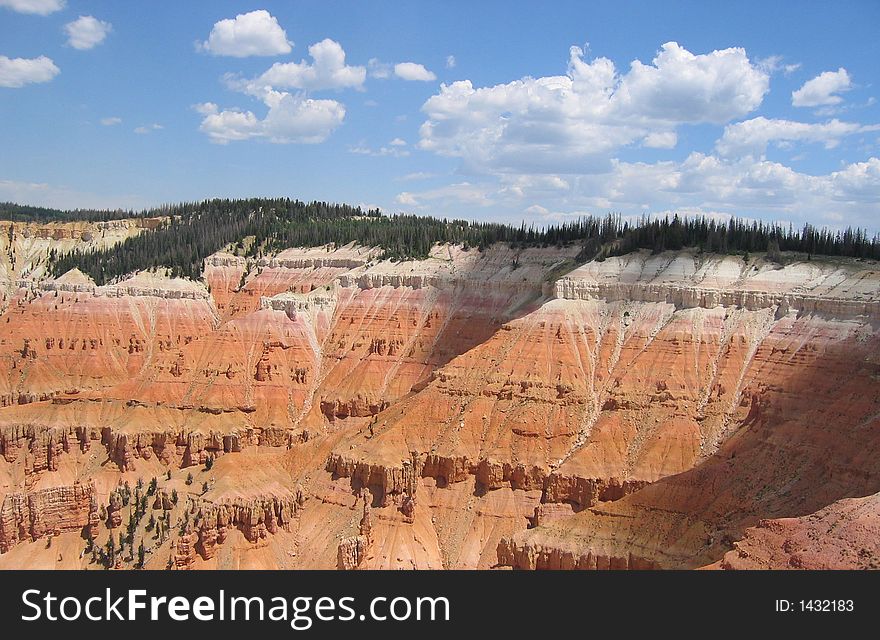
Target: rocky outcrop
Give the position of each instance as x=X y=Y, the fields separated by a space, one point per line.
x=843 y=535
x=586 y=492
x=694 y=281
x=493 y=475
x=132 y=289
x=358 y=407
x=33 y=515
x=183 y=448
x=376 y=280
x=114 y=510
x=531 y=556
x=256 y=518
x=293 y=304
x=184 y=554
x=686 y=297
x=386 y=483
x=41 y=449
x=389 y=482
x=352 y=551
x=310 y=262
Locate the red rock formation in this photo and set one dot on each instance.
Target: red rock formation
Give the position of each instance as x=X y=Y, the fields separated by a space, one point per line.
x=352 y=552
x=184 y=557
x=843 y=535
x=533 y=556
x=32 y=515
x=641 y=411
x=114 y=511
x=255 y=518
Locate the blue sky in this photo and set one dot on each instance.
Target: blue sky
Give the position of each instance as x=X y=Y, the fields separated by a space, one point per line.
x=482 y=110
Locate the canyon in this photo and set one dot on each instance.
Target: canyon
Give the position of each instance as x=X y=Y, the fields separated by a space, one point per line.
x=324 y=408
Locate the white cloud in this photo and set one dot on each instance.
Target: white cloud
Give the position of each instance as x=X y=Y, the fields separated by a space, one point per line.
x=86 y=32
x=774 y=64
x=143 y=130
x=450 y=62
x=418 y=175
x=545 y=215
x=406 y=199
x=533 y=186
x=111 y=121
x=17 y=72
x=206 y=108
x=574 y=122
x=413 y=71
x=682 y=87
x=462 y=193
x=250 y=34
x=767 y=189
x=820 y=90
x=38 y=7
x=327 y=71
x=661 y=140
x=699 y=184
x=395 y=149
x=290 y=119
x=42 y=194
x=859 y=184
x=378 y=69
x=753 y=136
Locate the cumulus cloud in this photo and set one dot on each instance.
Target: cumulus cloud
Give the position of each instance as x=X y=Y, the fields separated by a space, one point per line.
x=699 y=184
x=111 y=121
x=573 y=122
x=413 y=71
x=17 y=72
x=450 y=62
x=406 y=199
x=37 y=7
x=661 y=140
x=682 y=87
x=752 y=136
x=820 y=90
x=290 y=119
x=86 y=32
x=249 y=34
x=858 y=183
x=326 y=71
x=534 y=186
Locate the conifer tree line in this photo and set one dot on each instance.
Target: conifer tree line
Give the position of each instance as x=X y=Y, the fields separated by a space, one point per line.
x=26 y=213
x=259 y=226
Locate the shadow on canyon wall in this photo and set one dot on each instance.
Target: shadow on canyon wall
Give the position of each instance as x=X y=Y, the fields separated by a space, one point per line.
x=812 y=441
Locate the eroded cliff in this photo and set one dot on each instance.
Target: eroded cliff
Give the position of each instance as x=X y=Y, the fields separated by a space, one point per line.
x=323 y=408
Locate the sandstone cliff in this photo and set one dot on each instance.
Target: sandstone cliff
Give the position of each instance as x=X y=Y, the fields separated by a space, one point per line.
x=322 y=408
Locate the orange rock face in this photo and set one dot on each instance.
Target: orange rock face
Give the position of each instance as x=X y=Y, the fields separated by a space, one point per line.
x=51 y=511
x=843 y=535
x=324 y=409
